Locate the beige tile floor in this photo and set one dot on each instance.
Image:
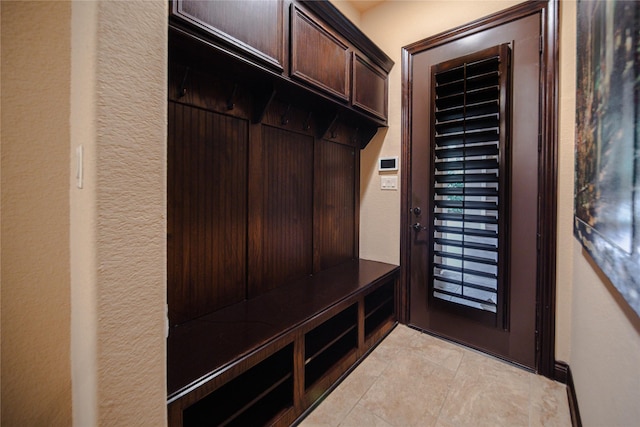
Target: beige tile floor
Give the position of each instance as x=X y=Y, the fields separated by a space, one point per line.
x=414 y=379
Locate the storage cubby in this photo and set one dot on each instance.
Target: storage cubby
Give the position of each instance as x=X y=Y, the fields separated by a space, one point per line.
x=379 y=306
x=265 y=361
x=329 y=342
x=255 y=397
x=265 y=288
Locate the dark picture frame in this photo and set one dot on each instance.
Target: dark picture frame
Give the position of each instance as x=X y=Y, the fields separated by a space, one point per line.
x=607 y=165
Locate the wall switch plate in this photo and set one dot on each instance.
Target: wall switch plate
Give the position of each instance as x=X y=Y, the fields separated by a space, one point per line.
x=79 y=166
x=389 y=182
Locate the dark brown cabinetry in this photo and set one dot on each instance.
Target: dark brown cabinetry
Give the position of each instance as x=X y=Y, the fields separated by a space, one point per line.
x=255 y=28
x=370 y=87
x=307 y=42
x=269 y=105
x=268 y=359
x=252 y=398
x=318 y=57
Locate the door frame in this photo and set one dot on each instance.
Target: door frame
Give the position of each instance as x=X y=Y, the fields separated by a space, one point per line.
x=547 y=176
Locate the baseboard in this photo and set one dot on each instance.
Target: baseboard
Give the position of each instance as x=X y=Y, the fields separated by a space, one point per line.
x=562 y=373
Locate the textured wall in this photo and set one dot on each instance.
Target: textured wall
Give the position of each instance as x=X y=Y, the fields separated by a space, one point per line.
x=36 y=381
x=130 y=197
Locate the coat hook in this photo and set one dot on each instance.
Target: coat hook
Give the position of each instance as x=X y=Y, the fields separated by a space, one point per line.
x=284 y=119
x=182 y=91
x=307 y=123
x=230 y=100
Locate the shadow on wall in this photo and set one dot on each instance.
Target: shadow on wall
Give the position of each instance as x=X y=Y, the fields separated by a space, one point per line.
x=628 y=311
x=369 y=159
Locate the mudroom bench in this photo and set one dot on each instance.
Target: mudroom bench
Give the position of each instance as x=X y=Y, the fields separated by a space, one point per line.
x=266 y=360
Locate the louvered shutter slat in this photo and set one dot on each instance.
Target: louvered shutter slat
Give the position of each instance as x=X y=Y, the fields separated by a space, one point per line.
x=468 y=205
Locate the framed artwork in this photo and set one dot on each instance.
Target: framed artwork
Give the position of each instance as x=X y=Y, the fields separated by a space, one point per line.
x=607 y=200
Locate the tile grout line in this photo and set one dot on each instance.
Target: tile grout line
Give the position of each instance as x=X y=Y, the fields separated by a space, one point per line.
x=364 y=393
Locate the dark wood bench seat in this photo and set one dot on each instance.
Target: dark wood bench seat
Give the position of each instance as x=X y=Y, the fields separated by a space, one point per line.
x=206 y=353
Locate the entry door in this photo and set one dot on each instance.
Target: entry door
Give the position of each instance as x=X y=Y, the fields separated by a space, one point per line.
x=473 y=214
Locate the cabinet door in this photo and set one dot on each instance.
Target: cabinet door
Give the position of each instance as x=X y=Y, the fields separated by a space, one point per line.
x=318 y=57
x=251 y=26
x=369 y=88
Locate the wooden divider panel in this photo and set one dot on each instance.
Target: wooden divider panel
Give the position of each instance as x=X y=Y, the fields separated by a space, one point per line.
x=336 y=192
x=287 y=207
x=207 y=211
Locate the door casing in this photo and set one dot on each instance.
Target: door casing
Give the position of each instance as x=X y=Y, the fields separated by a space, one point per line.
x=547 y=177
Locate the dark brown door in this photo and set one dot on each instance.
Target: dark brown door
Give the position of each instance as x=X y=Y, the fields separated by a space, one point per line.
x=474 y=174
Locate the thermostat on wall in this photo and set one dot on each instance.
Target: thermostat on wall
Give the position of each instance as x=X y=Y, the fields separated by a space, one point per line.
x=388 y=164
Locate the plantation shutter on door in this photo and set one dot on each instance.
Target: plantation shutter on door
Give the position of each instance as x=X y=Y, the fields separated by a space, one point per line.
x=470 y=173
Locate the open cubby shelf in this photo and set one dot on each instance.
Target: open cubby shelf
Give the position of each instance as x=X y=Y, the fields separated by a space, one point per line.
x=265 y=362
x=319 y=339
x=338 y=337
x=379 y=307
x=260 y=392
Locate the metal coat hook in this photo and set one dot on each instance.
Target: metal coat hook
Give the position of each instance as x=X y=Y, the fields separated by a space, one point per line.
x=182 y=91
x=230 y=103
x=284 y=119
x=307 y=123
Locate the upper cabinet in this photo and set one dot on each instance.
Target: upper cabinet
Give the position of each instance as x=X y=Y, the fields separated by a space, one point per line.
x=303 y=44
x=370 y=87
x=318 y=57
x=255 y=28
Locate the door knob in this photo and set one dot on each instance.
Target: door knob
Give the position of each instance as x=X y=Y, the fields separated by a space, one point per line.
x=416 y=211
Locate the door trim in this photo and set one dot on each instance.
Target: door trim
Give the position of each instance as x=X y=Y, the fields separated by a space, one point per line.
x=547 y=177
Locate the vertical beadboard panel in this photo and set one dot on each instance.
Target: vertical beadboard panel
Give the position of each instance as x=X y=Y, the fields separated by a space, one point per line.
x=206 y=185
x=287 y=199
x=336 y=206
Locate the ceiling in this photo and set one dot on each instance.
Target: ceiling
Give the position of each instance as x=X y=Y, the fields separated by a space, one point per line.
x=364 y=5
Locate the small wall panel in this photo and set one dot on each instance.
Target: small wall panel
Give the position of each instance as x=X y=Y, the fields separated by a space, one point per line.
x=287 y=205
x=335 y=203
x=207 y=213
